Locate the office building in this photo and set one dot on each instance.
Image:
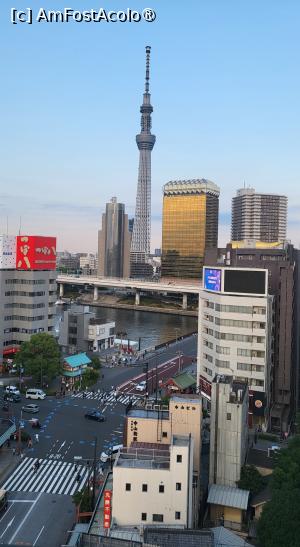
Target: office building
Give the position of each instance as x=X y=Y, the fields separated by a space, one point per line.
x=283 y=264
x=80 y=330
x=140 y=243
x=189 y=226
x=89 y=264
x=258 y=216
x=235 y=334
x=153 y=484
x=27 y=289
x=114 y=242
x=228 y=430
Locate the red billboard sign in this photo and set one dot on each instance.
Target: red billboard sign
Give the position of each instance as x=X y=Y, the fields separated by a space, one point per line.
x=107 y=508
x=36 y=253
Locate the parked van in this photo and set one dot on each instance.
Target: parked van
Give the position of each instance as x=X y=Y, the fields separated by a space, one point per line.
x=35 y=394
x=12 y=389
x=112 y=452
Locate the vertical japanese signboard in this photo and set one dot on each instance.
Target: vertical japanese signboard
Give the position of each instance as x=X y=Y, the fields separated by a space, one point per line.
x=107 y=508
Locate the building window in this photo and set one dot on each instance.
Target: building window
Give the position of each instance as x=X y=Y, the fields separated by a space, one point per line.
x=128 y=487
x=228 y=416
x=161 y=488
x=164 y=434
x=179 y=458
x=178 y=485
x=144 y=516
x=157 y=518
x=144 y=487
x=244 y=366
x=223 y=350
x=177 y=515
x=222 y=364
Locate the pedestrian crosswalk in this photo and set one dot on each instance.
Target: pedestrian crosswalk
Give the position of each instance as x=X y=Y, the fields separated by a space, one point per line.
x=108 y=397
x=52 y=477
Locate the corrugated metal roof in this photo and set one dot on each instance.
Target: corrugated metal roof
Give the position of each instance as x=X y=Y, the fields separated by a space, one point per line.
x=77 y=360
x=184 y=380
x=228 y=496
x=226 y=538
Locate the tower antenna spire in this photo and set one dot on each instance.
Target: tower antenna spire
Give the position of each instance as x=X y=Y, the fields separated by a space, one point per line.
x=147 y=79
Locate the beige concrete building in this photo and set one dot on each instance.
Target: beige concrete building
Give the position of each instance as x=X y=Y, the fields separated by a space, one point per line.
x=152 y=484
x=228 y=430
x=156 y=424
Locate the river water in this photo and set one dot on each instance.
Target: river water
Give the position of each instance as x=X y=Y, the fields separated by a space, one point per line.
x=152 y=328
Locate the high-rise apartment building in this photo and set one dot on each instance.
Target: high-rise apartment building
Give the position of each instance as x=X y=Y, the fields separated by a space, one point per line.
x=235 y=334
x=140 y=243
x=258 y=216
x=114 y=242
x=283 y=265
x=27 y=289
x=189 y=226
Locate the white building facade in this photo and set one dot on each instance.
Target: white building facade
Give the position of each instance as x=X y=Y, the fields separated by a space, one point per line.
x=153 y=486
x=235 y=333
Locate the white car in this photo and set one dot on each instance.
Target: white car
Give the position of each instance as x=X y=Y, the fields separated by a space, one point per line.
x=141 y=386
x=12 y=389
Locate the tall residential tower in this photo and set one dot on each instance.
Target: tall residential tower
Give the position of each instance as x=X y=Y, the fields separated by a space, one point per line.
x=140 y=243
x=262 y=217
x=114 y=241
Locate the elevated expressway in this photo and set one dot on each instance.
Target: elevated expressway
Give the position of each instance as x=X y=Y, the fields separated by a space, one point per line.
x=180 y=286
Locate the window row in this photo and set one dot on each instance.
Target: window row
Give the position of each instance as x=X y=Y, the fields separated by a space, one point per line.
x=24 y=306
x=22 y=331
x=229 y=308
x=239 y=323
x=26 y=281
x=234 y=337
x=161 y=487
x=23 y=318
x=24 y=293
x=250 y=367
x=160 y=518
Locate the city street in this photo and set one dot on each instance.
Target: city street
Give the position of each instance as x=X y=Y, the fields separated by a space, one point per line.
x=65 y=447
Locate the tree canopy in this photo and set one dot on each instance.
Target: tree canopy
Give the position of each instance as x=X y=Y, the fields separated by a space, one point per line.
x=40 y=357
x=280 y=521
x=251 y=479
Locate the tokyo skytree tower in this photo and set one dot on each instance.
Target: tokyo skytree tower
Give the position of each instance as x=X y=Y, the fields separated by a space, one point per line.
x=140 y=243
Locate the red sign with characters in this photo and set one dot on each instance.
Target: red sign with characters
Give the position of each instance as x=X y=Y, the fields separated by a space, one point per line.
x=107 y=508
x=36 y=253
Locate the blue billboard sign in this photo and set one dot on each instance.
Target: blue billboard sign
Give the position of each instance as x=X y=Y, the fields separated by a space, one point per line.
x=212 y=279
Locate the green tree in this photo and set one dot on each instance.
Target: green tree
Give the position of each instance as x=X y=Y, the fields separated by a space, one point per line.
x=280 y=520
x=89 y=378
x=96 y=363
x=251 y=479
x=40 y=357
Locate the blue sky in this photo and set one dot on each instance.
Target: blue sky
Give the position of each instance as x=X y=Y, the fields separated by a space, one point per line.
x=225 y=91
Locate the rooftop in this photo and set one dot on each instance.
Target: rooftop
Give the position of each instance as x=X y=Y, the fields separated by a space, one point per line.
x=144 y=457
x=186 y=398
x=260 y=458
x=149 y=413
x=77 y=360
x=191 y=186
x=184 y=380
x=228 y=496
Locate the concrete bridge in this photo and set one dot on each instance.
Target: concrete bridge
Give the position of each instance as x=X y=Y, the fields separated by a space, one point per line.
x=180 y=286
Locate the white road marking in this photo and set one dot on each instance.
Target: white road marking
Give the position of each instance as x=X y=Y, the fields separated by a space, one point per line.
x=24 y=519
x=8 y=526
x=39 y=534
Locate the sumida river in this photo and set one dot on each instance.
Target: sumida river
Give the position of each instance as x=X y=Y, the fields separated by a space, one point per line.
x=152 y=328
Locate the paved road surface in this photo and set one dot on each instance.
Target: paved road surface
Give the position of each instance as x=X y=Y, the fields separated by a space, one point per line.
x=38 y=520
x=40 y=508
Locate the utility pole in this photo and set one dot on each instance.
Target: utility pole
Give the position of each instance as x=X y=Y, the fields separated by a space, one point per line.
x=146 y=368
x=94 y=473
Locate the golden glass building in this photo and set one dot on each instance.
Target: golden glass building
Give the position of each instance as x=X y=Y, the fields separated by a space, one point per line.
x=189 y=227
